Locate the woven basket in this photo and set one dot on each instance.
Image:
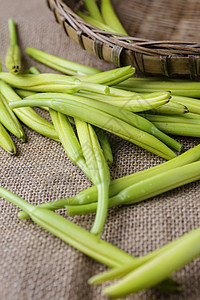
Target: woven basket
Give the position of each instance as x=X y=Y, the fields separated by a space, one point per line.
x=171 y=26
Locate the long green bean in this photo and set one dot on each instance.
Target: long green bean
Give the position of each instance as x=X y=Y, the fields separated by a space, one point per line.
x=183 y=129
x=147 y=188
x=69 y=140
x=93 y=9
x=60 y=64
x=135 y=103
x=98 y=169
x=111 y=77
x=95 y=22
x=181 y=252
x=13 y=55
x=104 y=121
x=48 y=82
x=105 y=145
x=90 y=195
x=28 y=116
x=110 y=17
x=179 y=87
x=73 y=234
x=124 y=115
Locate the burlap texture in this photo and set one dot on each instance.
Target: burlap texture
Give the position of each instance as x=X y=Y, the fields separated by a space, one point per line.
x=36 y=265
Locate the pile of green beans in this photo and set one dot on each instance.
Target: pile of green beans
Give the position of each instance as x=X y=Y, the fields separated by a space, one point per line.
x=92 y=101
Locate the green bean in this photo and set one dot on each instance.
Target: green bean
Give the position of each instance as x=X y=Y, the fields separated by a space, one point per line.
x=104 y=121
x=34 y=70
x=110 y=77
x=183 y=129
x=93 y=10
x=186 y=88
x=24 y=93
x=110 y=17
x=69 y=140
x=105 y=145
x=181 y=252
x=121 y=271
x=13 y=55
x=90 y=195
x=98 y=169
x=8 y=118
x=135 y=103
x=94 y=22
x=187 y=119
x=147 y=188
x=60 y=64
x=71 y=233
x=28 y=116
x=6 y=142
x=171 y=108
x=192 y=104
x=124 y=115
x=49 y=82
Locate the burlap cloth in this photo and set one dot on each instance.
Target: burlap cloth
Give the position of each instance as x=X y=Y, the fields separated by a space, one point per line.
x=36 y=265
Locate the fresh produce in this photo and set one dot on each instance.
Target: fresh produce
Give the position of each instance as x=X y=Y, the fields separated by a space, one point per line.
x=102 y=120
x=156 y=266
x=6 y=142
x=91 y=101
x=13 y=55
x=69 y=140
x=98 y=169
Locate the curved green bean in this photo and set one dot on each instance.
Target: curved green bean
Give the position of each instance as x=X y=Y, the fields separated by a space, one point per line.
x=124 y=115
x=104 y=121
x=147 y=188
x=89 y=195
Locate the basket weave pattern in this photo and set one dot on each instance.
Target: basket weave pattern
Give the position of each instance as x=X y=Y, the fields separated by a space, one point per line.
x=157 y=19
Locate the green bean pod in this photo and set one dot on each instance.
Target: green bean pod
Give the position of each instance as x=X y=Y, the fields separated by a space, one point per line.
x=124 y=115
x=49 y=82
x=171 y=108
x=63 y=65
x=104 y=121
x=184 y=129
x=93 y=10
x=178 y=87
x=13 y=55
x=111 y=77
x=94 y=22
x=24 y=93
x=147 y=188
x=192 y=104
x=110 y=17
x=134 y=103
x=105 y=145
x=28 y=116
x=8 y=118
x=90 y=195
x=6 y=142
x=69 y=140
x=98 y=169
x=71 y=233
x=181 y=252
